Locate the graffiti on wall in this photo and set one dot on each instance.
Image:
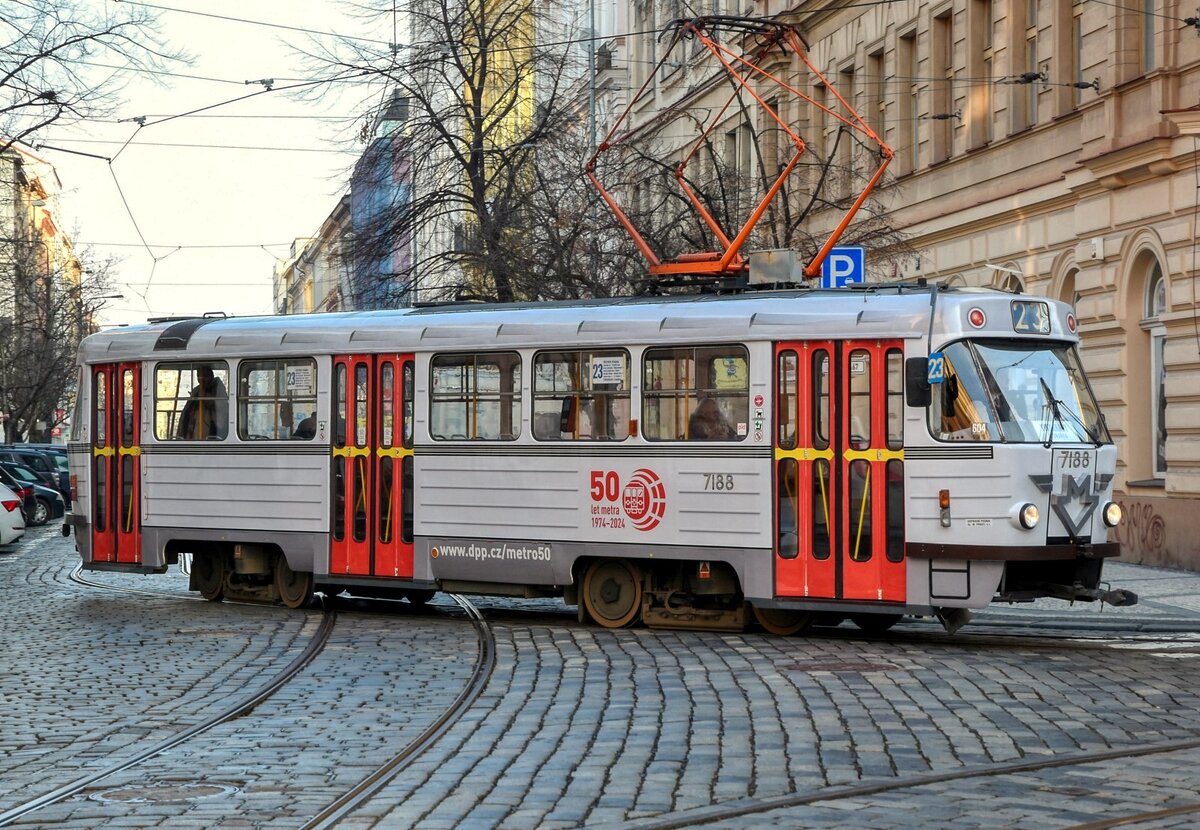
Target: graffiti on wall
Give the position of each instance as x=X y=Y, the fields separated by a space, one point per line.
x=1142 y=529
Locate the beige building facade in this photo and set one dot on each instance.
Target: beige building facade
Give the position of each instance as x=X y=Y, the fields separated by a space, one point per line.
x=1047 y=145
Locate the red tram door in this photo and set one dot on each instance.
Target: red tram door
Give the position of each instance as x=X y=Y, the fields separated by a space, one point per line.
x=839 y=470
x=372 y=522
x=116 y=463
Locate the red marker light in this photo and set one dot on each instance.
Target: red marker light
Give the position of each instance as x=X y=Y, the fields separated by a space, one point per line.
x=977 y=318
x=1071 y=323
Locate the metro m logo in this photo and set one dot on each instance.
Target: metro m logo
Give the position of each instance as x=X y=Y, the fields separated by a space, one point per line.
x=1072 y=490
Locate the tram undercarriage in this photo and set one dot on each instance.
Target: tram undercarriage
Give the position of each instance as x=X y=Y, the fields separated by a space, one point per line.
x=1075 y=580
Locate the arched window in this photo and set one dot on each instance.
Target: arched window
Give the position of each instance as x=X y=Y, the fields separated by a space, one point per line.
x=1152 y=322
x=1068 y=293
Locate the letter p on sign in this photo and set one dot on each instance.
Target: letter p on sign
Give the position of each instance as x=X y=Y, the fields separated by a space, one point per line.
x=844 y=265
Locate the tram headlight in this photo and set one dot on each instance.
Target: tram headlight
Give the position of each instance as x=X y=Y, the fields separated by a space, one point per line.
x=1112 y=514
x=1029 y=516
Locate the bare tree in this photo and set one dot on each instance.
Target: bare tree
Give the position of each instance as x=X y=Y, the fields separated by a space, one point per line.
x=475 y=148
x=63 y=61
x=44 y=312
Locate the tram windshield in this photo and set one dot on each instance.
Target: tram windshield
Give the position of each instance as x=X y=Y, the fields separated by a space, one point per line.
x=1014 y=392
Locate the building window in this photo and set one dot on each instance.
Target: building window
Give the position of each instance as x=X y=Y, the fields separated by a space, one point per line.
x=1148 y=17
x=277 y=399
x=980 y=60
x=476 y=397
x=581 y=396
x=191 y=401
x=942 y=55
x=696 y=393
x=1156 y=308
x=876 y=93
x=907 y=60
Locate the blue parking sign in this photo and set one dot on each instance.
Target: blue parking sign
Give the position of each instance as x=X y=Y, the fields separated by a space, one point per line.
x=844 y=265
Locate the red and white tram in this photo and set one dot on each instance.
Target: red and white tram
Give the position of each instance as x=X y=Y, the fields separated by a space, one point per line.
x=683 y=461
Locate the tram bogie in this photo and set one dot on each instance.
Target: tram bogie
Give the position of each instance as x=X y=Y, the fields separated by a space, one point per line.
x=700 y=462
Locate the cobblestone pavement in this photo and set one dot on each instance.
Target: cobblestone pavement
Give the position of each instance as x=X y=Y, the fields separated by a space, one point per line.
x=584 y=727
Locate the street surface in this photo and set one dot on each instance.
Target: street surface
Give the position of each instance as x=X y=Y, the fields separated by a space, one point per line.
x=1039 y=716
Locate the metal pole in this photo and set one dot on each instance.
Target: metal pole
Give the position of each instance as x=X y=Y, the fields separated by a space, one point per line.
x=592 y=76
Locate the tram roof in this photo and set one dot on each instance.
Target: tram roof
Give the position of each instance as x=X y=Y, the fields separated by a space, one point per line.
x=899 y=311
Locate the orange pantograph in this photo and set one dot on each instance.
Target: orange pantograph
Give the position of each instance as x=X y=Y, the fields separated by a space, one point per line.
x=743 y=70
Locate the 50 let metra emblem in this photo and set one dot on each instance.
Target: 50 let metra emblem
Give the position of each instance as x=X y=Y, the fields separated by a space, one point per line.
x=642 y=499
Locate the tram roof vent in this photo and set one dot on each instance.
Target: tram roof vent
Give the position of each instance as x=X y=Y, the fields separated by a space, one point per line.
x=177 y=335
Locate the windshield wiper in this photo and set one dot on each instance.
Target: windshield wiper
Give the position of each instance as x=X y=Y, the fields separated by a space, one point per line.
x=1056 y=409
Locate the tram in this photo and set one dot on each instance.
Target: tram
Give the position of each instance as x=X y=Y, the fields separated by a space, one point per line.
x=702 y=461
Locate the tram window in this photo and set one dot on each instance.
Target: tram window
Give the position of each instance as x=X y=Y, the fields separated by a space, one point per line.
x=960 y=406
x=78 y=412
x=895 y=399
x=277 y=399
x=360 y=404
x=787 y=396
x=339 y=407
x=895 y=510
x=191 y=401
x=581 y=396
x=820 y=398
x=387 y=405
x=406 y=391
x=821 y=494
x=476 y=397
x=127 y=414
x=99 y=395
x=696 y=393
x=860 y=399
x=861 y=542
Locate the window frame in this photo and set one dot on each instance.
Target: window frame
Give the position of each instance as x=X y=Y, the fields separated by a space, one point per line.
x=276 y=399
x=583 y=392
x=183 y=394
x=648 y=394
x=470 y=395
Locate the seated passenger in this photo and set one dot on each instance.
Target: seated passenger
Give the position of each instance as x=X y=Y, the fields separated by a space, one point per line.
x=708 y=424
x=307 y=428
x=206 y=413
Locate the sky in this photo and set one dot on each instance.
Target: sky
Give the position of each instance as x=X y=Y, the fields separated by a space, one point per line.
x=217 y=215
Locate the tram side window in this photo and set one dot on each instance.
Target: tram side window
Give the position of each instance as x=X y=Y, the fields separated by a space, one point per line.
x=696 y=393
x=277 y=399
x=581 y=396
x=191 y=401
x=78 y=410
x=960 y=408
x=476 y=397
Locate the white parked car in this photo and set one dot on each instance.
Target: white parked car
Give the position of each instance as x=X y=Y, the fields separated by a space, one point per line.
x=12 y=520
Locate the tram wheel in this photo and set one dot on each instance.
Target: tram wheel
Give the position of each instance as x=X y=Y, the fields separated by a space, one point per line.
x=782 y=621
x=208 y=576
x=875 y=623
x=612 y=592
x=295 y=588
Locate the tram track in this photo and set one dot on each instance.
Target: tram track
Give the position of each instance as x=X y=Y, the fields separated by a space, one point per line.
x=700 y=816
x=362 y=792
x=235 y=710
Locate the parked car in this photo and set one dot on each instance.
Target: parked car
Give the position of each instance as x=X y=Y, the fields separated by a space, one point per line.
x=43 y=463
x=24 y=492
x=48 y=503
x=12 y=520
